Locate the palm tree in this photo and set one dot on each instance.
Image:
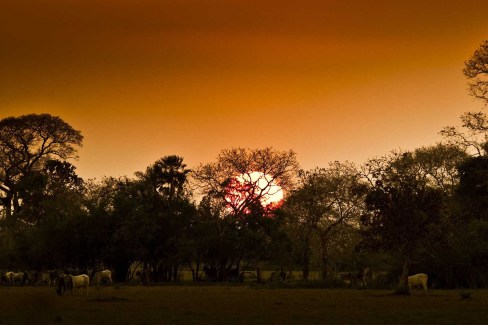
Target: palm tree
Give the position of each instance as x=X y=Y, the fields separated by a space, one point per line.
x=171 y=176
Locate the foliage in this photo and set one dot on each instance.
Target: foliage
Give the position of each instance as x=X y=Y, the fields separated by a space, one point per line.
x=406 y=215
x=152 y=221
x=473 y=187
x=215 y=178
x=326 y=204
x=418 y=211
x=241 y=228
x=27 y=143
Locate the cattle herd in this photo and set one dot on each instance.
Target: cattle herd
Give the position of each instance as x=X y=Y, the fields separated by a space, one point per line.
x=69 y=281
x=64 y=281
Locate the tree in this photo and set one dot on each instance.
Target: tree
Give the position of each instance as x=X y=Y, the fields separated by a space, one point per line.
x=473 y=187
x=327 y=203
x=472 y=195
x=55 y=227
x=438 y=165
x=168 y=176
x=219 y=178
x=405 y=213
x=151 y=220
x=234 y=202
x=26 y=144
x=476 y=70
x=475 y=139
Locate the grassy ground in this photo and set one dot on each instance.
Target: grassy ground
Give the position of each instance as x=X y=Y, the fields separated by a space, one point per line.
x=238 y=304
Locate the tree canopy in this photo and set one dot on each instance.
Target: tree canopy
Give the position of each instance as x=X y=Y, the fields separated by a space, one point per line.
x=27 y=143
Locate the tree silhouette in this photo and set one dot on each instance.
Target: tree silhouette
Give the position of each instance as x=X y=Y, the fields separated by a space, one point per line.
x=234 y=208
x=476 y=70
x=327 y=202
x=26 y=144
x=475 y=139
x=405 y=214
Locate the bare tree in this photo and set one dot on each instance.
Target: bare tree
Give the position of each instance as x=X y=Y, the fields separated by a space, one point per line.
x=219 y=178
x=234 y=203
x=476 y=70
x=475 y=137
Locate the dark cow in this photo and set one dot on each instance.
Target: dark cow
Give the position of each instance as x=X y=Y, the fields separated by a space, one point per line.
x=64 y=283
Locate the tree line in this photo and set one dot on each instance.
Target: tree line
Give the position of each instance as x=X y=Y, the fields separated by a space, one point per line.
x=423 y=210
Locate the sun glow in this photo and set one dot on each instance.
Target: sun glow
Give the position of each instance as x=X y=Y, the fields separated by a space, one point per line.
x=243 y=189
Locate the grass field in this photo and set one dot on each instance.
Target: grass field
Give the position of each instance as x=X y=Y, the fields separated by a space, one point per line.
x=238 y=304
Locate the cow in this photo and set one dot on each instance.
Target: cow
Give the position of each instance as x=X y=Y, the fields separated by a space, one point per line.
x=351 y=278
x=418 y=280
x=44 y=278
x=12 y=277
x=103 y=277
x=53 y=276
x=277 y=276
x=80 y=281
x=9 y=277
x=64 y=283
x=31 y=277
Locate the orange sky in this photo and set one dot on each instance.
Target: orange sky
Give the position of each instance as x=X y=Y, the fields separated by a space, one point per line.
x=330 y=79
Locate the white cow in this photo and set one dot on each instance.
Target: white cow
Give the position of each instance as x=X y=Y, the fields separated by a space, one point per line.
x=418 y=280
x=79 y=281
x=11 y=277
x=104 y=276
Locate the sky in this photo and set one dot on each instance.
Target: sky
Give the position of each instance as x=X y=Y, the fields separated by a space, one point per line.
x=330 y=79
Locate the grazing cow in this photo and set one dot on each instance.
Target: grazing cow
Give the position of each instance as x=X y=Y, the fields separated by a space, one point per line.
x=103 y=277
x=418 y=280
x=79 y=281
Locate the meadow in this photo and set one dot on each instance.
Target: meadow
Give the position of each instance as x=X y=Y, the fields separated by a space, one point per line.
x=243 y=304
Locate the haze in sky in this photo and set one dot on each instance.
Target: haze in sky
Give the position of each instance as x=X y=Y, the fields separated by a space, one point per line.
x=331 y=80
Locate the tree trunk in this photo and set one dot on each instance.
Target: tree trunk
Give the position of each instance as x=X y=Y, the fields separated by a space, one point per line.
x=403 y=282
x=175 y=273
x=197 y=272
x=306 y=258
x=8 y=210
x=145 y=273
x=306 y=263
x=324 y=257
